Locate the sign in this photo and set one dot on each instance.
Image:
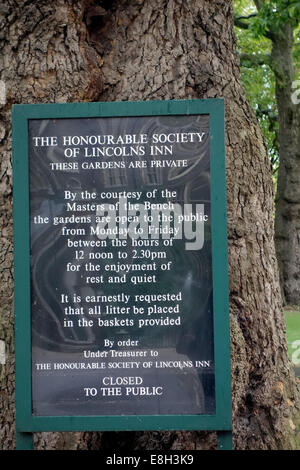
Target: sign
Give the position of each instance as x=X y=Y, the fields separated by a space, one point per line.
x=121 y=300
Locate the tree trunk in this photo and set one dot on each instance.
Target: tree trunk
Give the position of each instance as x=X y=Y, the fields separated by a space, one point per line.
x=287 y=220
x=145 y=50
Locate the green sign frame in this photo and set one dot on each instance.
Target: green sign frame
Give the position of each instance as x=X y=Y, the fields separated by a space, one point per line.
x=26 y=423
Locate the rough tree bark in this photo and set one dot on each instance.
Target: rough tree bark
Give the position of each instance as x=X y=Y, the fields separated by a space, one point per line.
x=159 y=49
x=281 y=62
x=287 y=220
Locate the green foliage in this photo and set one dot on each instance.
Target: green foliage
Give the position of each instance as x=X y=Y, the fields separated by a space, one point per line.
x=256 y=20
x=259 y=83
x=274 y=13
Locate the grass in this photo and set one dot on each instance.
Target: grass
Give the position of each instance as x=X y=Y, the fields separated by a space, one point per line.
x=292 y=317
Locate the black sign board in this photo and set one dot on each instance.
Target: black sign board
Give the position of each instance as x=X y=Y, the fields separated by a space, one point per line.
x=124 y=240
